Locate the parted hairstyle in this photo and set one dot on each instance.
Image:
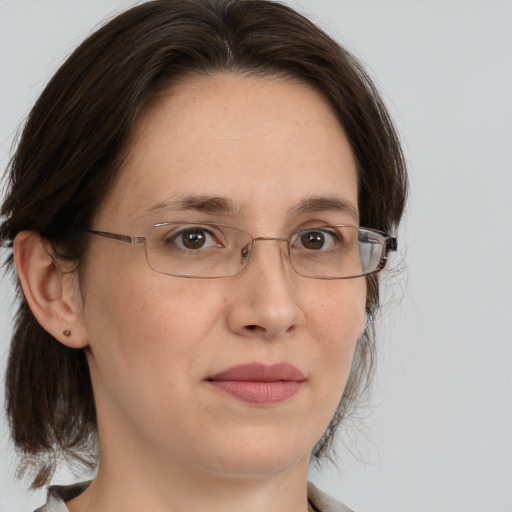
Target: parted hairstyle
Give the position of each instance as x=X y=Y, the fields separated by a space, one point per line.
x=72 y=146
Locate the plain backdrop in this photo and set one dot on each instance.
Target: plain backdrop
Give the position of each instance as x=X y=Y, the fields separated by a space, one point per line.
x=438 y=434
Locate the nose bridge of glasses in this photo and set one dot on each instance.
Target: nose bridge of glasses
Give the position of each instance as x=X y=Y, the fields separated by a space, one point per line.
x=270 y=239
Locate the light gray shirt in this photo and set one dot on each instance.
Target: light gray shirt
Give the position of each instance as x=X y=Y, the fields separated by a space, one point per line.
x=59 y=494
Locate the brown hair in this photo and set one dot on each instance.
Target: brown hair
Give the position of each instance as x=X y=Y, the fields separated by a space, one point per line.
x=72 y=146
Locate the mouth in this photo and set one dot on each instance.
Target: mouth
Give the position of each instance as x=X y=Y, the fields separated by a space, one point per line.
x=259 y=384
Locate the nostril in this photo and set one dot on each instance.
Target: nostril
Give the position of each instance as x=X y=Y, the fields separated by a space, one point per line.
x=291 y=329
x=251 y=327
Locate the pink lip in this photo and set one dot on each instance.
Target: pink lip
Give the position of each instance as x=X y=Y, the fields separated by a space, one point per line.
x=258 y=383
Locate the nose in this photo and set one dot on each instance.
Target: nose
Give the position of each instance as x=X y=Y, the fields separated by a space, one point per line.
x=266 y=301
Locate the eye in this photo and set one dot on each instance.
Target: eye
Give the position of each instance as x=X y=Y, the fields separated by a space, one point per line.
x=194 y=238
x=315 y=240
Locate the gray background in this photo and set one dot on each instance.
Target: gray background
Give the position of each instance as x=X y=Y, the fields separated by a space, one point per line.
x=438 y=433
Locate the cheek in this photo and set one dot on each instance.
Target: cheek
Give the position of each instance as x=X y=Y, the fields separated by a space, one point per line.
x=338 y=322
x=145 y=311
x=148 y=341
x=139 y=321
x=339 y=311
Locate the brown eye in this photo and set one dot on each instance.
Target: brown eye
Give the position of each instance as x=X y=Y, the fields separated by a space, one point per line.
x=315 y=240
x=312 y=240
x=193 y=238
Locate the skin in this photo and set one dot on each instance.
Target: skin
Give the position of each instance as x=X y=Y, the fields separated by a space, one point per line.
x=168 y=440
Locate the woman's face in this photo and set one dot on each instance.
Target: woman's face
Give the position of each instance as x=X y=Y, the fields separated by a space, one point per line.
x=177 y=364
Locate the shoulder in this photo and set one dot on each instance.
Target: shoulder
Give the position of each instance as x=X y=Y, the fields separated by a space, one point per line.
x=322 y=502
x=59 y=494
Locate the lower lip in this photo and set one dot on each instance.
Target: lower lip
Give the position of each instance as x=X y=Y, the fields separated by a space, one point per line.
x=258 y=392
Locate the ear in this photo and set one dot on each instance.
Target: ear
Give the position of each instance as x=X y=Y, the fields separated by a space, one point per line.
x=52 y=294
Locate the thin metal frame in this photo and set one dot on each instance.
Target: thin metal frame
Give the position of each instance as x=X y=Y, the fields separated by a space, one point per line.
x=390 y=245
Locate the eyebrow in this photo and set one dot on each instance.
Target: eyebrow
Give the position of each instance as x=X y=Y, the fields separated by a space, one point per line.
x=325 y=204
x=224 y=205
x=207 y=204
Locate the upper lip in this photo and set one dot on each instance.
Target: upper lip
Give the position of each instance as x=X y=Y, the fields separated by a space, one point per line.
x=259 y=372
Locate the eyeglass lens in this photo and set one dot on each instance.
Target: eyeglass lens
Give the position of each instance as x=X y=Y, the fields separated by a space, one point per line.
x=216 y=250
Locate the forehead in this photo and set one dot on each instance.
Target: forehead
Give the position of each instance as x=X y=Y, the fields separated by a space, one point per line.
x=264 y=144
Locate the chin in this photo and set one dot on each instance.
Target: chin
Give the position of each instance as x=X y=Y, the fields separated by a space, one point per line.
x=258 y=457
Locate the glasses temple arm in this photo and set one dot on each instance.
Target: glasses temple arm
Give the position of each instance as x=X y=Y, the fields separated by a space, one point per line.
x=391 y=244
x=133 y=240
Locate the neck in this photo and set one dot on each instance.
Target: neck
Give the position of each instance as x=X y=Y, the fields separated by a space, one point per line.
x=132 y=480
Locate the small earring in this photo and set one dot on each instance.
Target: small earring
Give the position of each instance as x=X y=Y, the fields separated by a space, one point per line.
x=66 y=332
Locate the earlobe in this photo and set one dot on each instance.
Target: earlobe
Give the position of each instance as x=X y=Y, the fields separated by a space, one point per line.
x=51 y=294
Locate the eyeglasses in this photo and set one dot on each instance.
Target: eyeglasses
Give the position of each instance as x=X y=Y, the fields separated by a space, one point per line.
x=206 y=250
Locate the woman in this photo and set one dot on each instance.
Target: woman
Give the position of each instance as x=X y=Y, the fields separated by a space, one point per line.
x=198 y=296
